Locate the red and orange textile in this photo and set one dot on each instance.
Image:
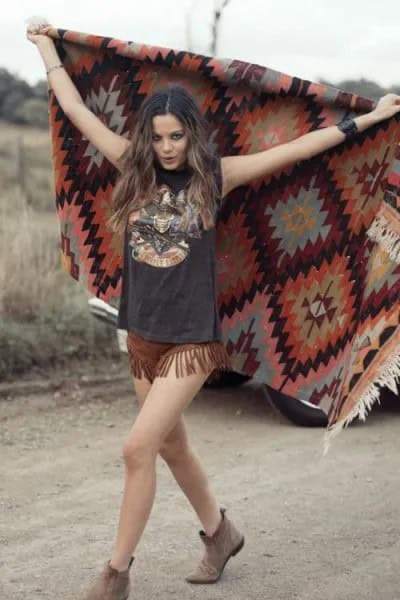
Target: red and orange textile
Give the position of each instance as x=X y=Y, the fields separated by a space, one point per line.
x=308 y=258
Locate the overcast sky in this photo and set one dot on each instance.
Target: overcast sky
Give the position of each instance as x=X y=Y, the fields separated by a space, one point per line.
x=334 y=39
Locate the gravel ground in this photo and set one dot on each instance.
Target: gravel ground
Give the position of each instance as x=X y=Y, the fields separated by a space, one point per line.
x=315 y=527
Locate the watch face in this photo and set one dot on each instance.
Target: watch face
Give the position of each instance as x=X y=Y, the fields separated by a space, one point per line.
x=348 y=127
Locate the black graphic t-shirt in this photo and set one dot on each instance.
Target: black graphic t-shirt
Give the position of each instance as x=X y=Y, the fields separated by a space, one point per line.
x=169 y=284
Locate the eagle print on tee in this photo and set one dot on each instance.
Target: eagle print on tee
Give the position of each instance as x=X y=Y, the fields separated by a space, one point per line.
x=159 y=232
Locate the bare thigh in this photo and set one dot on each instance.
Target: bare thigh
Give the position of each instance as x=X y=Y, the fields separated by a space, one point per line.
x=177 y=439
x=142 y=388
x=168 y=397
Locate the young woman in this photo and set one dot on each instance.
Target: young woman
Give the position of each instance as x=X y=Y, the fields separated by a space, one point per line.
x=165 y=205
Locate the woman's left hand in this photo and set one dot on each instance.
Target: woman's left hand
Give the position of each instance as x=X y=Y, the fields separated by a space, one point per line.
x=387 y=106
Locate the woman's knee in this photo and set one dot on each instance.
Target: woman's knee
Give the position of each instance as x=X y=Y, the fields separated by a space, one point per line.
x=138 y=453
x=175 y=447
x=174 y=451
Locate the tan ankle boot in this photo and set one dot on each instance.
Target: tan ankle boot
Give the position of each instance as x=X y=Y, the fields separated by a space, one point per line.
x=224 y=543
x=110 y=584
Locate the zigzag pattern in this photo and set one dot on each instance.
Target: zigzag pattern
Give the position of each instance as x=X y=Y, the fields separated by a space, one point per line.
x=307 y=302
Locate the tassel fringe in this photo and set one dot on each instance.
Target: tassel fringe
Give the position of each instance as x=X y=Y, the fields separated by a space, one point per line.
x=139 y=367
x=388 y=376
x=211 y=356
x=381 y=231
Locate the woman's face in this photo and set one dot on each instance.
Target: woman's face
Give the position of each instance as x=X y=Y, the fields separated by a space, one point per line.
x=170 y=142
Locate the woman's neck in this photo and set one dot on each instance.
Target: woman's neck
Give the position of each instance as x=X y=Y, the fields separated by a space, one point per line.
x=181 y=168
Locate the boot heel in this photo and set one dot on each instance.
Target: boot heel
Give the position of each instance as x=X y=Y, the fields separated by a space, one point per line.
x=110 y=584
x=238 y=549
x=219 y=547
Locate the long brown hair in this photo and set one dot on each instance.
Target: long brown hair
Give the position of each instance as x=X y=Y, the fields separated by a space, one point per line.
x=136 y=185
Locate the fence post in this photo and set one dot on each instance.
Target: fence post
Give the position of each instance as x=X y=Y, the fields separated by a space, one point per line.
x=21 y=170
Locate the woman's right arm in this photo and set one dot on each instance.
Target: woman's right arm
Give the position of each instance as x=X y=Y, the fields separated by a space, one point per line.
x=110 y=144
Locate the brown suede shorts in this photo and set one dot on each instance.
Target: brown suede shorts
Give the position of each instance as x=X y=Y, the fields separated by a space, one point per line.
x=151 y=359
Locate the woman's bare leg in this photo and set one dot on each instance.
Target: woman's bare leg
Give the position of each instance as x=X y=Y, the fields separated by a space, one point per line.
x=186 y=467
x=165 y=402
x=191 y=477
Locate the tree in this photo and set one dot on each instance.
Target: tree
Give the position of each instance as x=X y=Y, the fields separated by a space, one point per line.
x=40 y=90
x=9 y=84
x=22 y=103
x=362 y=87
x=33 y=111
x=219 y=7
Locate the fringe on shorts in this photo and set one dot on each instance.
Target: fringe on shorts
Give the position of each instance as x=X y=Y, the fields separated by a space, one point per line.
x=140 y=368
x=151 y=359
x=209 y=357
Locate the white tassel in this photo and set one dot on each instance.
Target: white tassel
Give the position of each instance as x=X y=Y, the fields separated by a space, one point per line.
x=388 y=376
x=381 y=232
x=35 y=23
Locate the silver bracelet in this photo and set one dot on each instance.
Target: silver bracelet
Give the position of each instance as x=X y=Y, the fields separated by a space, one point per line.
x=52 y=68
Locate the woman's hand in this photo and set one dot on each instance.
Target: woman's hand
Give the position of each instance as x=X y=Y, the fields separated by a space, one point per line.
x=36 y=30
x=387 y=106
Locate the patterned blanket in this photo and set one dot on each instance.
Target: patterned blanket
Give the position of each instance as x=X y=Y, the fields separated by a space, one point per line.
x=308 y=258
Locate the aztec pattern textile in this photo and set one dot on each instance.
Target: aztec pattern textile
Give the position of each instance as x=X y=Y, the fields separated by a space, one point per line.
x=308 y=258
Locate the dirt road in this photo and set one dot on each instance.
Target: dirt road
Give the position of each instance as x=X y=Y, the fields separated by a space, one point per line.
x=316 y=528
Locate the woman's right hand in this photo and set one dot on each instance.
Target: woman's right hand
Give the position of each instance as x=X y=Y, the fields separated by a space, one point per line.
x=37 y=33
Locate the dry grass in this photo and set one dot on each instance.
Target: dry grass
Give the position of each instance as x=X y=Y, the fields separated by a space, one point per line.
x=44 y=316
x=30 y=277
x=25 y=163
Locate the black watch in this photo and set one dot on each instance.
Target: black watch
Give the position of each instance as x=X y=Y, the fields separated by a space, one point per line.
x=349 y=128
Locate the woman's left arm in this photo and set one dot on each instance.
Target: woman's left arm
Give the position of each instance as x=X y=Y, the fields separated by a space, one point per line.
x=238 y=170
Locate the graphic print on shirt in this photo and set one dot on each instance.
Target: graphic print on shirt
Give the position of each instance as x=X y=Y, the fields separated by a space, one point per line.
x=159 y=232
